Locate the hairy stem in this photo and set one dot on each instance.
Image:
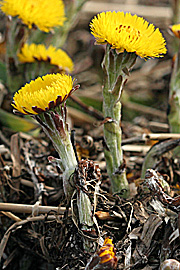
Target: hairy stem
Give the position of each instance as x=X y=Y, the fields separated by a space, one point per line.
x=116 y=68
x=60 y=137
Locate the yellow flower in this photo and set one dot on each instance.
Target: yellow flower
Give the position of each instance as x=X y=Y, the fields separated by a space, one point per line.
x=107 y=253
x=175 y=29
x=124 y=31
x=32 y=53
x=44 y=14
x=43 y=94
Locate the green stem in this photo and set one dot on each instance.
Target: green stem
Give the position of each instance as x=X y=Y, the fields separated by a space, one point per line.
x=55 y=126
x=72 y=11
x=174 y=101
x=115 y=67
x=174 y=97
x=62 y=143
x=16 y=35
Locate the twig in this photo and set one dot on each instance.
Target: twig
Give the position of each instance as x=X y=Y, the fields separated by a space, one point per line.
x=10 y=215
x=127 y=144
x=136 y=139
x=151 y=136
x=25 y=208
x=79 y=117
x=31 y=184
x=145 y=109
x=136 y=148
x=160 y=127
x=161 y=136
x=88 y=109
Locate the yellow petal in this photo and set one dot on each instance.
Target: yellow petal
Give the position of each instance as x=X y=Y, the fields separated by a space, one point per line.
x=44 y=14
x=40 y=92
x=124 y=31
x=38 y=52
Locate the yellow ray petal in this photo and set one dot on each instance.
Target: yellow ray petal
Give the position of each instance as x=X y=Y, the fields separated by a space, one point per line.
x=124 y=31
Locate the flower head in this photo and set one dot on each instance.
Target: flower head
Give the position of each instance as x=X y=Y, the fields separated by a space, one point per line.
x=42 y=13
x=124 y=31
x=105 y=258
x=38 y=52
x=107 y=252
x=43 y=94
x=175 y=29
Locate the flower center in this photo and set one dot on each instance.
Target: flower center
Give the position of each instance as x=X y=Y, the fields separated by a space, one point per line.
x=134 y=34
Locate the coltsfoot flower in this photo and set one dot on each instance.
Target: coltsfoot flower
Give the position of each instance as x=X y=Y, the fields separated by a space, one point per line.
x=42 y=13
x=38 y=52
x=105 y=258
x=126 y=32
x=43 y=94
x=107 y=253
x=175 y=29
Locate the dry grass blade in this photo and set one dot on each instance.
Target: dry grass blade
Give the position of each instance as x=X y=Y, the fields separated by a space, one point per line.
x=15 y=155
x=19 y=224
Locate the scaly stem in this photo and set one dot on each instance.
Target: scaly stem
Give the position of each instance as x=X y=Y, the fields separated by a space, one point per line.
x=16 y=35
x=174 y=101
x=56 y=128
x=115 y=67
